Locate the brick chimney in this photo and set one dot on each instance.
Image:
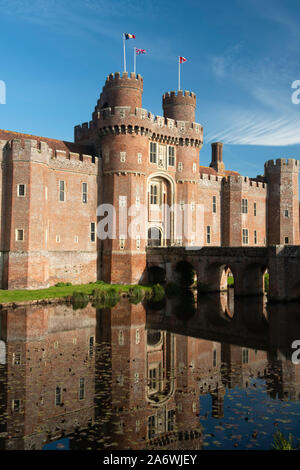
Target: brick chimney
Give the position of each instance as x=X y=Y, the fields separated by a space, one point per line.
x=217 y=157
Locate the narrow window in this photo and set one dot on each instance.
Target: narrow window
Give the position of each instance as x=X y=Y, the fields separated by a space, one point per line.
x=215 y=358
x=171 y=419
x=137 y=425
x=171 y=156
x=194 y=167
x=137 y=336
x=255 y=237
x=62 y=191
x=19 y=235
x=286 y=213
x=93 y=232
x=122 y=201
x=245 y=206
x=245 y=354
x=254 y=209
x=286 y=240
x=151 y=426
x=84 y=193
x=122 y=242
x=76 y=238
x=139 y=158
x=214 y=206
x=136 y=377
x=180 y=166
x=181 y=204
x=121 y=337
x=81 y=388
x=91 y=346
x=208 y=234
x=123 y=157
x=16 y=405
x=153 y=152
x=138 y=242
x=21 y=190
x=153 y=194
x=57 y=395
x=137 y=201
x=57 y=238
x=245 y=236
x=16 y=359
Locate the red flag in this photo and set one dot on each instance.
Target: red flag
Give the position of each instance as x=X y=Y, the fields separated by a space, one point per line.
x=181 y=59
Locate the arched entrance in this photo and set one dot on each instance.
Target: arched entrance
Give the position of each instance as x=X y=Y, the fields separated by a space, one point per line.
x=154 y=236
x=160 y=197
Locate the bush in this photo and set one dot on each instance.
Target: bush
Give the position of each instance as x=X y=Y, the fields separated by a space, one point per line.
x=79 y=300
x=158 y=293
x=136 y=294
x=105 y=297
x=63 y=284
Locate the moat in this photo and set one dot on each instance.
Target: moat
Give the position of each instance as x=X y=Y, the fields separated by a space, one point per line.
x=184 y=373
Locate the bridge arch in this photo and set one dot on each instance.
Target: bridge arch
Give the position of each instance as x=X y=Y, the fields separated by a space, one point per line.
x=156 y=274
x=252 y=281
x=185 y=273
x=217 y=274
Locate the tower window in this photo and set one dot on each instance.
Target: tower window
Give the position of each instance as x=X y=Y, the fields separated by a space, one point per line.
x=122 y=242
x=245 y=236
x=214 y=204
x=171 y=156
x=21 y=190
x=286 y=240
x=215 y=358
x=139 y=158
x=58 y=396
x=121 y=338
x=245 y=355
x=255 y=237
x=123 y=157
x=93 y=232
x=180 y=166
x=91 y=346
x=194 y=167
x=122 y=201
x=138 y=242
x=244 y=206
x=208 y=234
x=19 y=235
x=254 y=209
x=286 y=213
x=16 y=405
x=81 y=388
x=84 y=193
x=62 y=191
x=153 y=152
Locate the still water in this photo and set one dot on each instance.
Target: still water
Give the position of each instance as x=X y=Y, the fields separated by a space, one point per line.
x=212 y=373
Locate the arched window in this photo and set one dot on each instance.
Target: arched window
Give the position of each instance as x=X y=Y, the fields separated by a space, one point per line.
x=154 y=236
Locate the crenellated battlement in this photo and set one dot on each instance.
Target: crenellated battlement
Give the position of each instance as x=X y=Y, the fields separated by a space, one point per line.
x=118 y=79
x=282 y=164
x=173 y=95
x=35 y=150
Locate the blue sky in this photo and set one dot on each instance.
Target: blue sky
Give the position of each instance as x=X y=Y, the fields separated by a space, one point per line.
x=243 y=56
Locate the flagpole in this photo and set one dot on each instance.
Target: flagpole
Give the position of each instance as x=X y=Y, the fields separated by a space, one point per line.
x=134 y=59
x=179 y=73
x=124 y=50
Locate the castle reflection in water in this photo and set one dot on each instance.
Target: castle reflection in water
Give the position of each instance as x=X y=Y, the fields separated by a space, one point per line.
x=130 y=377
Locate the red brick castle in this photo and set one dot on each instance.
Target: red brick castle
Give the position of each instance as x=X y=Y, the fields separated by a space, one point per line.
x=127 y=157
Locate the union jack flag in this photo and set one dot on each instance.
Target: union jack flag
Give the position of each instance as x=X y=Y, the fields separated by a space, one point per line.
x=140 y=51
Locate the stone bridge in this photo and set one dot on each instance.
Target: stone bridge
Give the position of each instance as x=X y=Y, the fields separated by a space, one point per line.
x=210 y=265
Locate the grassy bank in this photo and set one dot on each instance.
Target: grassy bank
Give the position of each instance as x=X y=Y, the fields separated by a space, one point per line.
x=61 y=291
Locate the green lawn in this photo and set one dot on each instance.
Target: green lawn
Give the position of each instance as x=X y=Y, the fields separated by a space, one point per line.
x=58 y=292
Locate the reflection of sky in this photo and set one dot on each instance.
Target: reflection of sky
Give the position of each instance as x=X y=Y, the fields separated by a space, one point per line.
x=247 y=412
x=61 y=444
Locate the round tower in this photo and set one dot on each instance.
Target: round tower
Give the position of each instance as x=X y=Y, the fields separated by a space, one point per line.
x=121 y=91
x=180 y=106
